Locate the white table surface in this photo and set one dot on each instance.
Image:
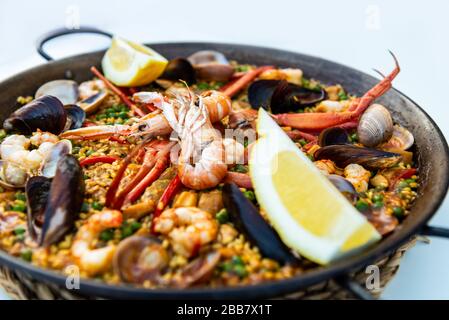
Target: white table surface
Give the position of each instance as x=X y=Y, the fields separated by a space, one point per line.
x=355 y=33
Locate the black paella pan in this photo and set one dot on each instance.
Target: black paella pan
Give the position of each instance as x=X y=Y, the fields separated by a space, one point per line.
x=431 y=152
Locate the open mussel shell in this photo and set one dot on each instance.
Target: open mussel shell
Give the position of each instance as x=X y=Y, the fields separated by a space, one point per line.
x=280 y=96
x=37 y=190
x=75 y=117
x=64 y=201
x=50 y=163
x=211 y=65
x=140 y=258
x=375 y=126
x=65 y=90
x=179 y=69
x=333 y=136
x=46 y=113
x=344 y=186
x=260 y=93
x=248 y=220
x=344 y=155
x=91 y=104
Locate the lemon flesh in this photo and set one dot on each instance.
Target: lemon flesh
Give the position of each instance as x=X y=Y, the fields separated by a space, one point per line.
x=130 y=64
x=309 y=213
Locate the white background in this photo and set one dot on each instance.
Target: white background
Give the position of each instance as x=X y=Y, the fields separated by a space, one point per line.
x=355 y=33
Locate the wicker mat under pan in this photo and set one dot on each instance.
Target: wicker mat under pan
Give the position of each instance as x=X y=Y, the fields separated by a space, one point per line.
x=21 y=287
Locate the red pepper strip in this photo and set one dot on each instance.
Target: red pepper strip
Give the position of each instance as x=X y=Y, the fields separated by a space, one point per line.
x=118 y=92
x=242 y=180
x=97 y=159
x=402 y=174
x=88 y=123
x=170 y=191
x=242 y=82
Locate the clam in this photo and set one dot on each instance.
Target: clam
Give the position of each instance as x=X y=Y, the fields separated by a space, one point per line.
x=46 y=113
x=199 y=270
x=140 y=258
x=75 y=117
x=248 y=220
x=50 y=163
x=345 y=154
x=333 y=136
x=344 y=186
x=401 y=139
x=280 y=96
x=64 y=201
x=65 y=90
x=37 y=189
x=179 y=69
x=211 y=65
x=375 y=126
x=91 y=104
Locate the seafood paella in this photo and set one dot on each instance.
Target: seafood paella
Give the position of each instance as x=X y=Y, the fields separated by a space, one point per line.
x=199 y=171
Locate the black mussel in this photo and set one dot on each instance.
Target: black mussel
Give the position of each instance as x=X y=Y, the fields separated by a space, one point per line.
x=345 y=154
x=140 y=258
x=280 y=96
x=260 y=93
x=179 y=69
x=46 y=113
x=64 y=201
x=75 y=117
x=50 y=163
x=333 y=136
x=211 y=65
x=37 y=190
x=344 y=186
x=65 y=90
x=291 y=97
x=248 y=220
x=198 y=271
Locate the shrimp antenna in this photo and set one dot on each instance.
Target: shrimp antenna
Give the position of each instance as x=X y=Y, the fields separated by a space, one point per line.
x=395 y=59
x=377 y=71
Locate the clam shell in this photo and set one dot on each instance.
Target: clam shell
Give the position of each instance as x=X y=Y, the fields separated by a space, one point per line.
x=64 y=90
x=375 y=126
x=401 y=139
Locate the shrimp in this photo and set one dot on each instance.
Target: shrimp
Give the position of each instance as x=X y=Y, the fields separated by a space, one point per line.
x=156 y=123
x=91 y=260
x=326 y=166
x=358 y=176
x=188 y=228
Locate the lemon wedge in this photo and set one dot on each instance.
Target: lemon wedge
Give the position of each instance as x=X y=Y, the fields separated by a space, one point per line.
x=309 y=213
x=130 y=64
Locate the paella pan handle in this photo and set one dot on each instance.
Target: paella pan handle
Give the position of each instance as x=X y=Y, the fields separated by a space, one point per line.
x=62 y=32
x=435 y=232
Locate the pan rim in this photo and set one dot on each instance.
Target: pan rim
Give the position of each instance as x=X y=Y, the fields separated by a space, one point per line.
x=263 y=290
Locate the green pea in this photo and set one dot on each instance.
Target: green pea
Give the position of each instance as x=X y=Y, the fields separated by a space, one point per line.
x=19 y=231
x=342 y=95
x=237 y=260
x=123 y=115
x=97 y=206
x=203 y=86
x=362 y=205
x=21 y=196
x=101 y=116
x=227 y=267
x=378 y=204
x=135 y=225
x=107 y=235
x=302 y=142
x=354 y=137
x=2 y=134
x=249 y=195
x=240 y=271
x=240 y=168
x=403 y=184
x=410 y=180
x=398 y=212
x=377 y=197
x=19 y=206
x=26 y=255
x=76 y=150
x=89 y=152
x=222 y=216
